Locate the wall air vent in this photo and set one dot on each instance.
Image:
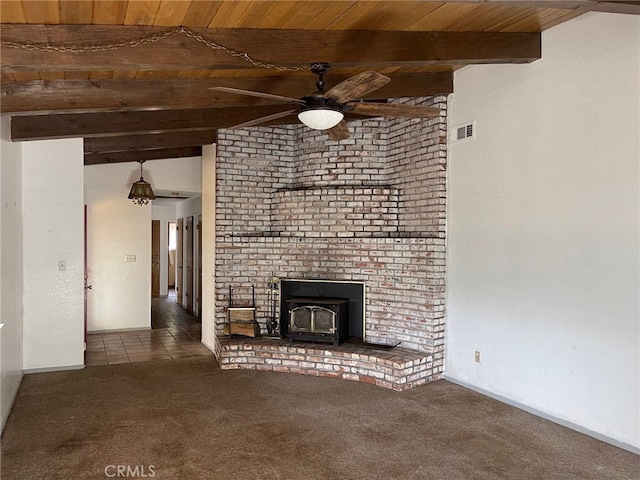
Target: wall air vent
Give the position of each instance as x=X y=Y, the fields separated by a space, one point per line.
x=464 y=131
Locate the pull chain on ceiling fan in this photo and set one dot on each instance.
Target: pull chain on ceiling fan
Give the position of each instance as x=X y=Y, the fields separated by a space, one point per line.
x=325 y=111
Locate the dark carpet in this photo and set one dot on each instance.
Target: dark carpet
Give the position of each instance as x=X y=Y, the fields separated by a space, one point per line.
x=187 y=419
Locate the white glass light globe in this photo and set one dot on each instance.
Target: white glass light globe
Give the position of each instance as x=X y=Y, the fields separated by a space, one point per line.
x=320 y=118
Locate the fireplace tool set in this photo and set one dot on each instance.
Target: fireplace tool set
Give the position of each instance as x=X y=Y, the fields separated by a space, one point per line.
x=272 y=299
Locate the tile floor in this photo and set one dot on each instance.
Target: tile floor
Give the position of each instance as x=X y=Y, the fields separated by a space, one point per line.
x=175 y=333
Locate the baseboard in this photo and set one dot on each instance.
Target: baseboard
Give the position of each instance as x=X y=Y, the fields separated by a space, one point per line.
x=208 y=346
x=546 y=416
x=53 y=369
x=120 y=330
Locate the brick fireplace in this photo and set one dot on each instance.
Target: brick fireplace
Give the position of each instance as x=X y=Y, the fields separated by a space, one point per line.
x=370 y=209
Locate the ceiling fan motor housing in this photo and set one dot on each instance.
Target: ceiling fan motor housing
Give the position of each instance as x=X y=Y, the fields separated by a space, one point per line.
x=319 y=101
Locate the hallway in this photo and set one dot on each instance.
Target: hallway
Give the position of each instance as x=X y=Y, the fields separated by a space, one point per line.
x=175 y=333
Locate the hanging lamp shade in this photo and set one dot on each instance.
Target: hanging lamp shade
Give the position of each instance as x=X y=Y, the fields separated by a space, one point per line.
x=320 y=118
x=141 y=192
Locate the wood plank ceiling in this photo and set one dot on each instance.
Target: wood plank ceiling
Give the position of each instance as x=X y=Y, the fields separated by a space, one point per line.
x=141 y=88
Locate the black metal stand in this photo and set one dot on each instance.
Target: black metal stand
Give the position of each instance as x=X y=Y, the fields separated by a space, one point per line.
x=241 y=320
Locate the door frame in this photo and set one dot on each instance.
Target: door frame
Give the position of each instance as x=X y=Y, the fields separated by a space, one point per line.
x=155 y=258
x=179 y=261
x=189 y=264
x=199 y=275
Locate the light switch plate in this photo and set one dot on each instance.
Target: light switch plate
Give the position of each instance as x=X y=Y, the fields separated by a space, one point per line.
x=129 y=258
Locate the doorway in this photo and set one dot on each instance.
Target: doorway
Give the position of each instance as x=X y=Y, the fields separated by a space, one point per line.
x=155 y=258
x=199 y=276
x=189 y=286
x=179 y=273
x=171 y=261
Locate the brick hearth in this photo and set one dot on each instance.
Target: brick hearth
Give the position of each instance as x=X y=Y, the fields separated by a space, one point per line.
x=395 y=368
x=292 y=204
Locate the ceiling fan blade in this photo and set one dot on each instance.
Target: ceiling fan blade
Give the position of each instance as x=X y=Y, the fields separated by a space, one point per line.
x=339 y=132
x=267 y=118
x=251 y=93
x=357 y=86
x=393 y=110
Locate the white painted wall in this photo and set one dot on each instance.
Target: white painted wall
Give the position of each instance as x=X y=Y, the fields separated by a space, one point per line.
x=11 y=344
x=191 y=207
x=121 y=294
x=175 y=174
x=164 y=214
x=208 y=245
x=543 y=252
x=53 y=231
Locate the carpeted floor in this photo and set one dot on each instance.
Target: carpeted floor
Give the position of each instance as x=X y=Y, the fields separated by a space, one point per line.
x=187 y=419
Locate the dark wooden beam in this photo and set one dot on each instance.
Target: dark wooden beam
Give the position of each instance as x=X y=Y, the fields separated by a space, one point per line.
x=130 y=143
x=281 y=47
x=68 y=125
x=134 y=156
x=78 y=96
x=118 y=95
x=173 y=123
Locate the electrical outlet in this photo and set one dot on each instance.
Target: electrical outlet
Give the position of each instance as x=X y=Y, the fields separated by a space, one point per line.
x=129 y=258
x=477 y=356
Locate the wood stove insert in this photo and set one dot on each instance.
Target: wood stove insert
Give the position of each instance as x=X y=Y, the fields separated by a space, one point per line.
x=318 y=319
x=305 y=289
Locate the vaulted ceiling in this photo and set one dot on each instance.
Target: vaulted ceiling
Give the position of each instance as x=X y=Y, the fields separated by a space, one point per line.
x=133 y=77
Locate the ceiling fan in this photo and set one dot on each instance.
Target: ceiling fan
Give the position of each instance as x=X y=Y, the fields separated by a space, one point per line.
x=325 y=110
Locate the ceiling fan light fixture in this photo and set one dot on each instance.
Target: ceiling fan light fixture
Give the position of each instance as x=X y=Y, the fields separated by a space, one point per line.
x=320 y=118
x=141 y=192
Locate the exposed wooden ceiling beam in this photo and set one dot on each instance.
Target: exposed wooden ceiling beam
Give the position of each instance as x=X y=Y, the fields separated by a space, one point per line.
x=130 y=143
x=68 y=125
x=281 y=47
x=120 y=125
x=135 y=156
x=118 y=95
x=143 y=123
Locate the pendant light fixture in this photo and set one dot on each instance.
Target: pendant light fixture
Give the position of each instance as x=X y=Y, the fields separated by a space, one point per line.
x=320 y=118
x=141 y=192
x=320 y=112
